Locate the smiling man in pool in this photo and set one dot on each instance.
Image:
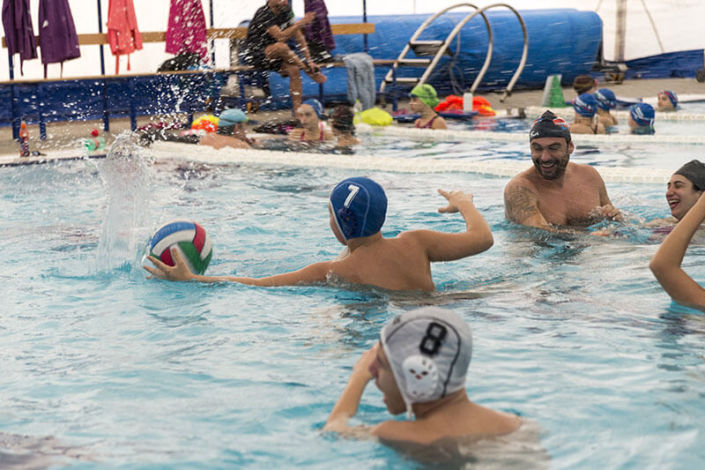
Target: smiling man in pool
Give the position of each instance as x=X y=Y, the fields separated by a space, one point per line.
x=357 y=209
x=556 y=192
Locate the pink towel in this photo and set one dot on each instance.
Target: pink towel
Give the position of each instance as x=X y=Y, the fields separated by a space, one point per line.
x=187 y=28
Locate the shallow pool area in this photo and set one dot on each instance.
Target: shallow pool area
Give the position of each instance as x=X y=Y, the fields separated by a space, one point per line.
x=570 y=331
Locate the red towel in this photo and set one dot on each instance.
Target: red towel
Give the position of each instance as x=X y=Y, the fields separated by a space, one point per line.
x=123 y=35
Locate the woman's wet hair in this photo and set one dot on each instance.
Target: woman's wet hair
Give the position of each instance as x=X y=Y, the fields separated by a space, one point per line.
x=226 y=130
x=342 y=119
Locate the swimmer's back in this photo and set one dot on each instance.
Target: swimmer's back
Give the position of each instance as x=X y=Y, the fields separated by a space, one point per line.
x=399 y=263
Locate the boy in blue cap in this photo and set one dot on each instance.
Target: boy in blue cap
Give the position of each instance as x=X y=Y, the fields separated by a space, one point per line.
x=606 y=101
x=641 y=119
x=357 y=209
x=230 y=133
x=585 y=107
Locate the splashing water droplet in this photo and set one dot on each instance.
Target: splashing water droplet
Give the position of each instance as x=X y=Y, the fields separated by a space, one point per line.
x=125 y=176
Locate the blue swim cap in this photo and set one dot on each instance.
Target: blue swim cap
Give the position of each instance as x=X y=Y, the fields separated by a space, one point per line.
x=316 y=105
x=643 y=114
x=230 y=117
x=672 y=97
x=359 y=206
x=585 y=105
x=605 y=99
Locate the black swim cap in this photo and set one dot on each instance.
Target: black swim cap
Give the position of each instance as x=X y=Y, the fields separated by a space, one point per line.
x=695 y=172
x=549 y=125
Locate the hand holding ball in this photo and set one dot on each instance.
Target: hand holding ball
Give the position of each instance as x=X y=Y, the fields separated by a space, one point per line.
x=189 y=239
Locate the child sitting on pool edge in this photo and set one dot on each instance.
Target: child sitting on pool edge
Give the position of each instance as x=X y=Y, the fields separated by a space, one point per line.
x=357 y=209
x=419 y=365
x=423 y=100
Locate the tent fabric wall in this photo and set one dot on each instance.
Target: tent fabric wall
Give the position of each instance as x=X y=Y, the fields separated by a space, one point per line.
x=562 y=41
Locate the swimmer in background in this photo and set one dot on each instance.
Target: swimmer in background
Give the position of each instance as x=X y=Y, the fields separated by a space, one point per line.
x=357 y=209
x=584 y=84
x=667 y=100
x=666 y=263
x=343 y=125
x=420 y=365
x=230 y=133
x=423 y=99
x=641 y=119
x=606 y=100
x=585 y=107
x=312 y=128
x=556 y=192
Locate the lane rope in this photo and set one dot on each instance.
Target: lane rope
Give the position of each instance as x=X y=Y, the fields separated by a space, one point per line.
x=162 y=151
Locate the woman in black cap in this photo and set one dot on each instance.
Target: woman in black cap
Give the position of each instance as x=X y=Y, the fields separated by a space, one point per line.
x=685 y=197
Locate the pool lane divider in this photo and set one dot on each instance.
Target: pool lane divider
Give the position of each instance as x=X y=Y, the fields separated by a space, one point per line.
x=50 y=157
x=455 y=135
x=533 y=112
x=172 y=151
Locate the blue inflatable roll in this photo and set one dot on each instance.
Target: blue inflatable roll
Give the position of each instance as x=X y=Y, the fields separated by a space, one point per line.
x=564 y=41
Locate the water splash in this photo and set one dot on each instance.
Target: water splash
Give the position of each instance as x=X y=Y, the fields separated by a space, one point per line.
x=125 y=176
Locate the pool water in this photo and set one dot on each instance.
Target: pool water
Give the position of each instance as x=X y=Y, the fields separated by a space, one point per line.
x=571 y=331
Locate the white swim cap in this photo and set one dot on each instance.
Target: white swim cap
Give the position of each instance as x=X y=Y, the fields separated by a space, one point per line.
x=429 y=351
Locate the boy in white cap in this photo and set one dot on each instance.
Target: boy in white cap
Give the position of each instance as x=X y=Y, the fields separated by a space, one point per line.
x=420 y=364
x=357 y=209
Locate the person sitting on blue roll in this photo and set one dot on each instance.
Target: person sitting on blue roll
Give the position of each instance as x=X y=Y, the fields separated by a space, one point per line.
x=230 y=133
x=357 y=209
x=423 y=99
x=641 y=119
x=585 y=107
x=667 y=100
x=606 y=100
x=420 y=365
x=312 y=129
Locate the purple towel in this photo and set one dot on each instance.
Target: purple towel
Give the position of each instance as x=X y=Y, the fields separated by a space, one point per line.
x=19 y=34
x=57 y=33
x=319 y=30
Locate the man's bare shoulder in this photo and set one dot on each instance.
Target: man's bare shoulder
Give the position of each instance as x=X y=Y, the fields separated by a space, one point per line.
x=521 y=182
x=582 y=170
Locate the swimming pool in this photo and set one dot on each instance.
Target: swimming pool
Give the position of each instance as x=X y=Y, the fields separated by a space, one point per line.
x=570 y=331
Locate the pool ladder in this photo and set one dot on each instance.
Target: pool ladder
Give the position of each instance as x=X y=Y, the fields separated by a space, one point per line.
x=429 y=52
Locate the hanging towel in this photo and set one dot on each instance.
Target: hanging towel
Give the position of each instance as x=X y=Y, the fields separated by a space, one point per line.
x=361 y=79
x=187 y=28
x=123 y=35
x=19 y=34
x=58 y=41
x=319 y=31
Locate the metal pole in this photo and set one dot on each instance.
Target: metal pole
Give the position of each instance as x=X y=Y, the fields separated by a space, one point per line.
x=100 y=30
x=364 y=20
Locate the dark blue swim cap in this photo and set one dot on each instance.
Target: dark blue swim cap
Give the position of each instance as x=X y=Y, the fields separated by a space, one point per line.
x=672 y=97
x=605 y=99
x=316 y=105
x=359 y=206
x=643 y=114
x=549 y=125
x=585 y=105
